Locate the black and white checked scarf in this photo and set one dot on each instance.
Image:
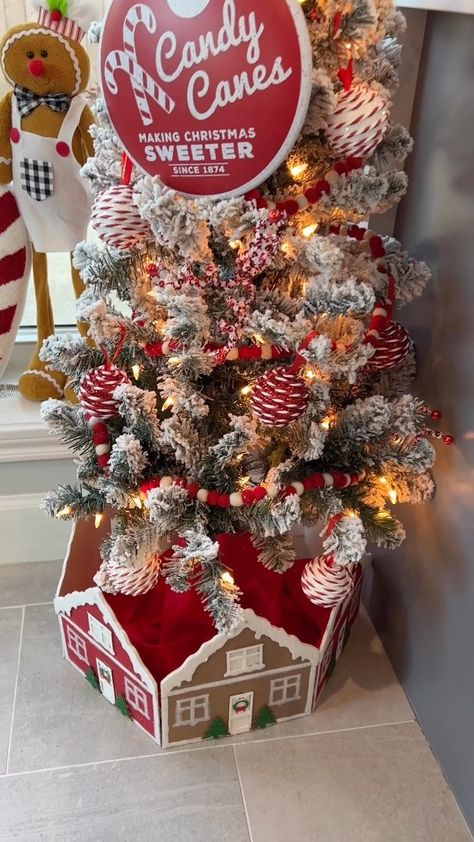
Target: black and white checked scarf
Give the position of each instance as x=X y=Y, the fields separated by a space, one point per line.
x=27 y=101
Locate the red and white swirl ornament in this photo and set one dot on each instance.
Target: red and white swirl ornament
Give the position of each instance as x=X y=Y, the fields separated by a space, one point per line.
x=326 y=583
x=280 y=397
x=359 y=123
x=98 y=402
x=115 y=216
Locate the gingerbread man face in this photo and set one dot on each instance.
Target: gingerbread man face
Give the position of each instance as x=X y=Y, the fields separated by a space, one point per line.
x=43 y=62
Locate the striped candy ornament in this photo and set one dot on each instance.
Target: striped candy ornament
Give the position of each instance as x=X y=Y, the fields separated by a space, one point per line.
x=117 y=219
x=129 y=581
x=15 y=264
x=326 y=583
x=99 y=405
x=359 y=123
x=393 y=346
x=280 y=398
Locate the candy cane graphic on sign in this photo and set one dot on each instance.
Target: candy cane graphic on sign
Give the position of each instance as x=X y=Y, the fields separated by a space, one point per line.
x=142 y=83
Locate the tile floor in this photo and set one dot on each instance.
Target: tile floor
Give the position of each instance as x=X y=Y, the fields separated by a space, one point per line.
x=73 y=770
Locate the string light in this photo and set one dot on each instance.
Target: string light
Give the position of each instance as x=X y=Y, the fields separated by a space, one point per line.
x=351 y=513
x=310 y=229
x=98 y=519
x=227 y=580
x=174 y=362
x=383 y=480
x=169 y=402
x=325 y=423
x=136 y=369
x=235 y=244
x=259 y=339
x=309 y=374
x=138 y=501
x=393 y=496
x=298 y=169
x=286 y=248
x=383 y=515
x=65 y=512
x=246 y=390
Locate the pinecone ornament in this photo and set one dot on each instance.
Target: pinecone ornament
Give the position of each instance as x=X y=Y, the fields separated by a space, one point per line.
x=393 y=347
x=359 y=122
x=280 y=398
x=326 y=583
x=117 y=219
x=99 y=404
x=129 y=581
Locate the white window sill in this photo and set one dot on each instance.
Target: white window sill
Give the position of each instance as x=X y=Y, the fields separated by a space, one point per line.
x=23 y=435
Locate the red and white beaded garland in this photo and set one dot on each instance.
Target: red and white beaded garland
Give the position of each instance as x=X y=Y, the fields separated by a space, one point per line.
x=280 y=397
x=326 y=583
x=249 y=496
x=359 y=122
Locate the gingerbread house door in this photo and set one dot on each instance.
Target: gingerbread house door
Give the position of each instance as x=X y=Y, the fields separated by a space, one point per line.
x=106 y=681
x=240 y=713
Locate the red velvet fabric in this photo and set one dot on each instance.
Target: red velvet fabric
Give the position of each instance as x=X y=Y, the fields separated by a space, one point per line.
x=166 y=628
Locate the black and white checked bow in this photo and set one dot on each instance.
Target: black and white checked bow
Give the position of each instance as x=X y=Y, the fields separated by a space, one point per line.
x=28 y=101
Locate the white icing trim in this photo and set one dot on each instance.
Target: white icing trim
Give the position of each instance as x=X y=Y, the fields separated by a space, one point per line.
x=5 y=161
x=39 y=373
x=42 y=30
x=261 y=627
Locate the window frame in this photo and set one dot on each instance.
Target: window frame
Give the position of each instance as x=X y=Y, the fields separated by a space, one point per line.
x=72 y=638
x=283 y=684
x=193 y=702
x=136 y=697
x=245 y=654
x=102 y=630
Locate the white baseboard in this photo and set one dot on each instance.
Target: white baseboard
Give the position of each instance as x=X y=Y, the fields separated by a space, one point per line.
x=27 y=533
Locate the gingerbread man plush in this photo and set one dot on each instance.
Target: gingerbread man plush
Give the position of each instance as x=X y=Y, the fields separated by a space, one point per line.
x=44 y=141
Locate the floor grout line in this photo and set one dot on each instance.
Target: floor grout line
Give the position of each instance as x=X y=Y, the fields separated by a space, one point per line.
x=244 y=801
x=24 y=605
x=10 y=738
x=214 y=747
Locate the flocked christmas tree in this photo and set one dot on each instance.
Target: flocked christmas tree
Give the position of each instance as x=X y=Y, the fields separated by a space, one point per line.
x=246 y=372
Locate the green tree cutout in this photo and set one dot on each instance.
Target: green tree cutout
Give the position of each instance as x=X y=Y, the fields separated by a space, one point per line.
x=91 y=677
x=121 y=704
x=217 y=730
x=265 y=718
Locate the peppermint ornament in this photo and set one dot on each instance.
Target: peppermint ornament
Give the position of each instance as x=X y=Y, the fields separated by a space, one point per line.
x=280 y=398
x=326 y=583
x=117 y=219
x=393 y=346
x=359 y=122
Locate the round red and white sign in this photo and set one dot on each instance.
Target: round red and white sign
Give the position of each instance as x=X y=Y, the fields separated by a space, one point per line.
x=208 y=95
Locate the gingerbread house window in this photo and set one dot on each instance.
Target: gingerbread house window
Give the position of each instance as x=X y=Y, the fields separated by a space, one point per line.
x=287 y=689
x=101 y=634
x=136 y=697
x=245 y=660
x=192 y=711
x=76 y=644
